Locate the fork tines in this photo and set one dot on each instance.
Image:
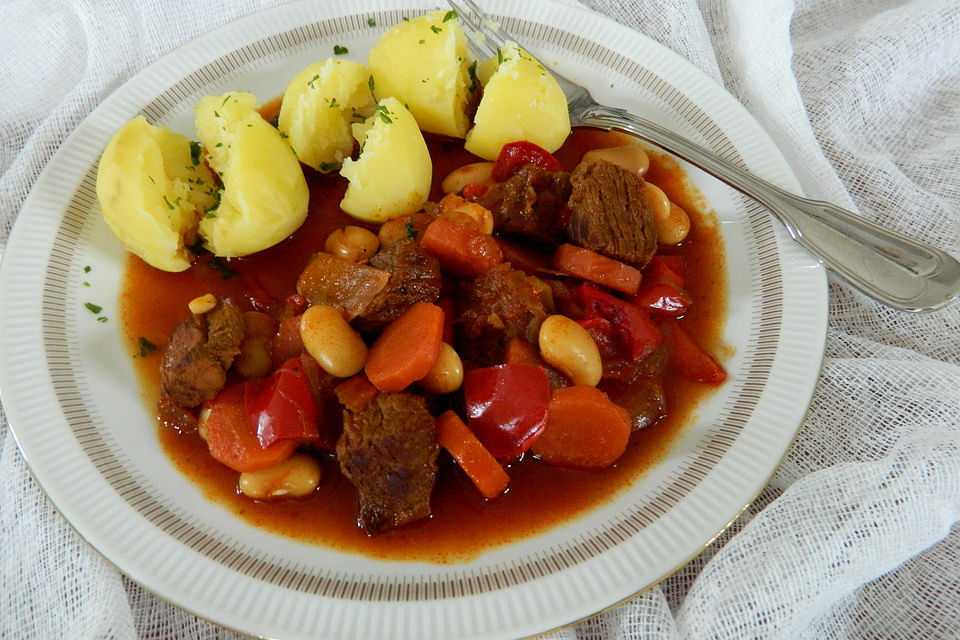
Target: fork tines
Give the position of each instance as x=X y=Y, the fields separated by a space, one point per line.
x=486 y=37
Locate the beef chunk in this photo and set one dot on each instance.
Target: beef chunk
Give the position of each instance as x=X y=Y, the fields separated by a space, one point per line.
x=350 y=287
x=498 y=305
x=414 y=277
x=636 y=385
x=528 y=203
x=388 y=450
x=200 y=351
x=609 y=213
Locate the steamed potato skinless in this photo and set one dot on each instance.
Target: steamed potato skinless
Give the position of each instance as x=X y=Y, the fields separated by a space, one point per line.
x=152 y=190
x=521 y=101
x=424 y=63
x=318 y=107
x=265 y=195
x=392 y=176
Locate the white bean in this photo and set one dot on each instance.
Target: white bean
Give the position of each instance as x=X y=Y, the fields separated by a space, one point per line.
x=297 y=476
x=476 y=173
x=352 y=243
x=202 y=304
x=331 y=341
x=675 y=228
x=629 y=157
x=566 y=345
x=446 y=375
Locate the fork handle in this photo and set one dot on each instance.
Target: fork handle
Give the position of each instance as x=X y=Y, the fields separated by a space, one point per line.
x=887 y=266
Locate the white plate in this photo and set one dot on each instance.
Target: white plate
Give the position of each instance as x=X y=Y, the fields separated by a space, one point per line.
x=70 y=393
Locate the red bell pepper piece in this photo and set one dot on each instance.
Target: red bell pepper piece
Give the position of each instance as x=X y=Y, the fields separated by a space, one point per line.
x=638 y=334
x=514 y=156
x=662 y=299
x=506 y=406
x=665 y=269
x=473 y=191
x=282 y=406
x=590 y=265
x=690 y=359
x=604 y=334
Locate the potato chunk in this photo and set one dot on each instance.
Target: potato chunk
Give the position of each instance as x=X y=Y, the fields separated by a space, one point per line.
x=521 y=101
x=425 y=65
x=265 y=195
x=318 y=107
x=393 y=173
x=152 y=191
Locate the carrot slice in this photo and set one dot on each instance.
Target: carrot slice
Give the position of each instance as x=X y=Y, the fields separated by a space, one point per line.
x=584 y=429
x=690 y=359
x=590 y=265
x=407 y=348
x=475 y=460
x=230 y=439
x=461 y=251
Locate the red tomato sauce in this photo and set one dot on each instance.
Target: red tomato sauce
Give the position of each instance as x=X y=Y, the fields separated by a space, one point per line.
x=463 y=523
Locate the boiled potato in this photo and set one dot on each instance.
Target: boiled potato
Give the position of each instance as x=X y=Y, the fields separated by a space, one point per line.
x=265 y=195
x=521 y=101
x=318 y=107
x=393 y=173
x=152 y=191
x=424 y=64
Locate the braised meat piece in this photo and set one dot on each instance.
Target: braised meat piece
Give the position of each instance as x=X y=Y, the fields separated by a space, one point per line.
x=529 y=203
x=636 y=385
x=388 y=450
x=200 y=351
x=498 y=305
x=609 y=213
x=414 y=277
x=345 y=285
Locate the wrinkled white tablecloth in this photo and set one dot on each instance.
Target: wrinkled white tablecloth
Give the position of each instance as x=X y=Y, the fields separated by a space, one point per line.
x=854 y=536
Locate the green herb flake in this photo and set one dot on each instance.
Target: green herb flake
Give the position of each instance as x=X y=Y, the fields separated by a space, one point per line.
x=384 y=114
x=411 y=232
x=227 y=97
x=86 y=269
x=328 y=166
x=450 y=15
x=339 y=51
x=195 y=152
x=499 y=57
x=435 y=28
x=313 y=80
x=334 y=104
x=371 y=22
x=405 y=19
x=94 y=308
x=370 y=83
x=474 y=81
x=218 y=145
x=168 y=203
x=421 y=41
x=216 y=114
x=102 y=319
x=145 y=346
x=218 y=264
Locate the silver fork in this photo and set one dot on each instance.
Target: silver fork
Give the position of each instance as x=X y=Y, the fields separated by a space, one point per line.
x=889 y=267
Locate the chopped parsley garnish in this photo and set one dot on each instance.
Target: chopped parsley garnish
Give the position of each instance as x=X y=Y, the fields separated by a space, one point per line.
x=499 y=57
x=328 y=166
x=227 y=97
x=216 y=114
x=195 y=152
x=406 y=19
x=146 y=347
x=339 y=51
x=218 y=264
x=102 y=319
x=474 y=81
x=168 y=203
x=371 y=22
x=357 y=117
x=218 y=145
x=384 y=114
x=86 y=284
x=435 y=28
x=312 y=81
x=450 y=15
x=334 y=104
x=370 y=83
x=86 y=269
x=421 y=41
x=94 y=308
x=411 y=232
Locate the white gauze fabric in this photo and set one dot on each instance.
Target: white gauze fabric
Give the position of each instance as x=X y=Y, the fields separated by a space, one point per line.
x=854 y=537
